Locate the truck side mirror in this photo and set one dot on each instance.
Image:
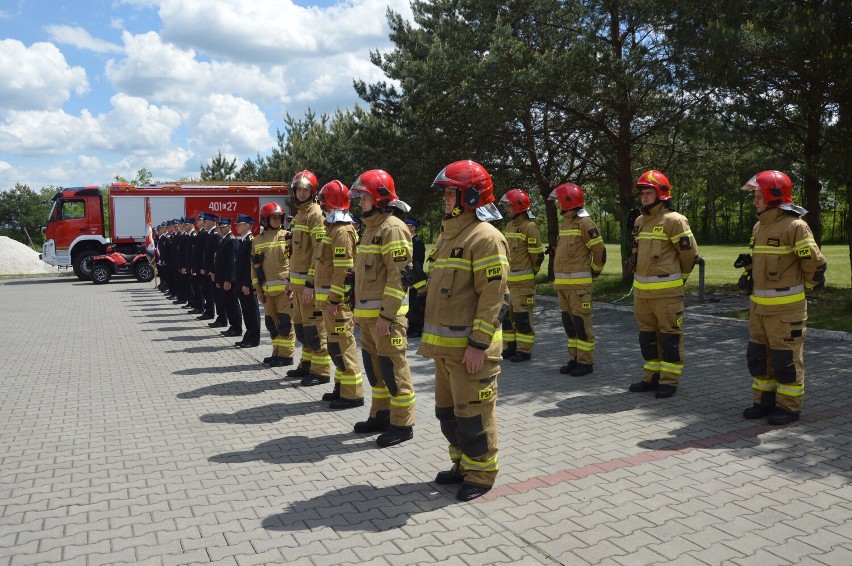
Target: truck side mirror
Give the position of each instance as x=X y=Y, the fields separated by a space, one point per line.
x=43 y=229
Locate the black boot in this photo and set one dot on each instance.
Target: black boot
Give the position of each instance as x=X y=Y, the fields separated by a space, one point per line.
x=643 y=385
x=582 y=369
x=451 y=476
x=665 y=391
x=568 y=368
x=470 y=490
x=762 y=409
x=509 y=350
x=313 y=379
x=340 y=404
x=279 y=361
x=520 y=357
x=334 y=395
x=395 y=435
x=782 y=417
x=304 y=370
x=379 y=423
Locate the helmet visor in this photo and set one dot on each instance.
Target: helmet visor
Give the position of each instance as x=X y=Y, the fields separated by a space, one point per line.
x=750 y=185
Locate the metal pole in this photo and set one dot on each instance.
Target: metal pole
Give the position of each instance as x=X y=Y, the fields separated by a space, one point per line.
x=700 y=261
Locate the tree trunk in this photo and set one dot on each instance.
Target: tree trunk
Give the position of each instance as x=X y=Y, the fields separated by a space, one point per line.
x=812 y=186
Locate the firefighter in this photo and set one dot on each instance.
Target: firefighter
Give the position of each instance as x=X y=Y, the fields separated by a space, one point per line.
x=466 y=302
x=784 y=263
x=243 y=283
x=225 y=277
x=188 y=260
x=526 y=254
x=417 y=301
x=308 y=230
x=334 y=265
x=207 y=222
x=220 y=314
x=271 y=262
x=664 y=252
x=197 y=265
x=381 y=302
x=579 y=256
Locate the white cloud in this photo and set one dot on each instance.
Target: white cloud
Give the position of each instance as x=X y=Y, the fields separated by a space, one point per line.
x=80 y=38
x=233 y=125
x=36 y=77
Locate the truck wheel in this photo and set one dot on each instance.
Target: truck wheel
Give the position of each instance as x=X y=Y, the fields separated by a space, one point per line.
x=82 y=264
x=143 y=272
x=101 y=274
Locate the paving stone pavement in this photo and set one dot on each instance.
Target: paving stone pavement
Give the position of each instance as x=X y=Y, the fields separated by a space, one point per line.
x=133 y=433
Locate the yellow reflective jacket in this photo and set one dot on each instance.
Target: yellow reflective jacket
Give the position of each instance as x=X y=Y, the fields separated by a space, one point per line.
x=666 y=252
x=467 y=289
x=308 y=227
x=785 y=258
x=580 y=252
x=334 y=258
x=385 y=250
x=274 y=247
x=526 y=251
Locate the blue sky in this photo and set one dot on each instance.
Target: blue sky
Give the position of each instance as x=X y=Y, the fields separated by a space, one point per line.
x=91 y=89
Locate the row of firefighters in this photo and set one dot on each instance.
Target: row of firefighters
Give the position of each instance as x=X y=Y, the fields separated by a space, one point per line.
x=317 y=279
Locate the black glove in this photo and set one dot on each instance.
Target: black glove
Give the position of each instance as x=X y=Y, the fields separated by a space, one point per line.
x=408 y=276
x=819 y=276
x=631 y=263
x=745 y=283
x=743 y=260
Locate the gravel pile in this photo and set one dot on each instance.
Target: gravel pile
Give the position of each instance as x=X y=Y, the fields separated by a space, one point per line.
x=18 y=259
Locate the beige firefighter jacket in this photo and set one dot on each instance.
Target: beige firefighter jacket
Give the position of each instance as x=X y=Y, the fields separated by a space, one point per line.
x=526 y=251
x=385 y=250
x=665 y=252
x=580 y=252
x=334 y=258
x=308 y=227
x=274 y=247
x=467 y=291
x=785 y=258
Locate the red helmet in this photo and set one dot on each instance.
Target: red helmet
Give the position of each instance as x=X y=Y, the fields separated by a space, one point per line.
x=518 y=198
x=569 y=194
x=655 y=180
x=334 y=196
x=379 y=184
x=775 y=186
x=270 y=209
x=471 y=180
x=305 y=179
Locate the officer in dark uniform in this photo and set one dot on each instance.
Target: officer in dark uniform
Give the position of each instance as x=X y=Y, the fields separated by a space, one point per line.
x=196 y=264
x=225 y=276
x=242 y=283
x=207 y=224
x=168 y=259
x=181 y=241
x=210 y=247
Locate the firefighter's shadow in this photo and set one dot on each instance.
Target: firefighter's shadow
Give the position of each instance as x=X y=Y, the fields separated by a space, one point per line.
x=170 y=328
x=161 y=317
x=264 y=414
x=600 y=404
x=235 y=389
x=199 y=350
x=184 y=338
x=361 y=508
x=149 y=309
x=298 y=449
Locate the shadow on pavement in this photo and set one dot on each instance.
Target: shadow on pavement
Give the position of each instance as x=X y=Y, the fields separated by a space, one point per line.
x=42 y=281
x=266 y=413
x=201 y=350
x=170 y=328
x=299 y=449
x=235 y=388
x=184 y=338
x=361 y=508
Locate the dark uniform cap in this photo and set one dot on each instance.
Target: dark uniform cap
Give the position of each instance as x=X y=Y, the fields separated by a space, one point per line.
x=207 y=216
x=245 y=218
x=412 y=222
x=224 y=221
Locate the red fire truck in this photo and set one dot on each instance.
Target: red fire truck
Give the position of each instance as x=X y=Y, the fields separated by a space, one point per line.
x=75 y=230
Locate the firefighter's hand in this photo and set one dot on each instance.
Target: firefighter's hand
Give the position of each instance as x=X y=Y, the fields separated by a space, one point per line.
x=261 y=298
x=631 y=263
x=212 y=276
x=203 y=272
x=307 y=296
x=183 y=271
x=246 y=291
x=331 y=309
x=382 y=327
x=226 y=285
x=473 y=359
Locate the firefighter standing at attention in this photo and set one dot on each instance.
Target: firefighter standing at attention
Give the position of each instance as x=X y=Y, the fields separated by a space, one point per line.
x=381 y=302
x=271 y=262
x=580 y=255
x=334 y=263
x=664 y=252
x=466 y=301
x=785 y=262
x=526 y=254
x=308 y=228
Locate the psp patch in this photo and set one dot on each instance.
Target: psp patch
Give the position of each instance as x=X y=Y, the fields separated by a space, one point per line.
x=804 y=252
x=587 y=305
x=659 y=230
x=339 y=329
x=398 y=252
x=685 y=243
x=593 y=233
x=532 y=241
x=396 y=341
x=493 y=272
x=530 y=301
x=486 y=394
x=340 y=251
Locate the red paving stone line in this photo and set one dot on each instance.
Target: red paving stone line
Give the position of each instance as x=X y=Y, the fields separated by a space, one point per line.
x=562 y=476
